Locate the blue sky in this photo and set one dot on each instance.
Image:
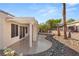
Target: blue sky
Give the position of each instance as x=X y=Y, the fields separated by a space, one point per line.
x=41 y=11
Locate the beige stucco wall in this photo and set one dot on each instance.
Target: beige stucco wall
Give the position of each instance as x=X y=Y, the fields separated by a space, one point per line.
x=5 y=30
x=1 y=35
x=28 y=20
x=7 y=34
x=35 y=32
x=2 y=19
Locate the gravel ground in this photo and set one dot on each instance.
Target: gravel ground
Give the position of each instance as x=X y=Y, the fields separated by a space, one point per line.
x=57 y=49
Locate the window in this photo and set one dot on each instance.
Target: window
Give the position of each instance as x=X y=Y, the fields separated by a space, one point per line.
x=14 y=30
x=22 y=31
x=26 y=29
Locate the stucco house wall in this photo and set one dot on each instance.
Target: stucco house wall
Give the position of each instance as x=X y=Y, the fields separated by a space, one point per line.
x=1 y=35
x=35 y=32
x=28 y=20
x=2 y=20
x=75 y=25
x=5 y=29
x=7 y=35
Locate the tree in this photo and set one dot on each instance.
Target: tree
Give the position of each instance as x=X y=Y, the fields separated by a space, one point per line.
x=70 y=20
x=52 y=23
x=43 y=27
x=64 y=19
x=49 y=25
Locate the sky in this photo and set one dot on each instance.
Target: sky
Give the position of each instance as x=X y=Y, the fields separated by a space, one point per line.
x=41 y=11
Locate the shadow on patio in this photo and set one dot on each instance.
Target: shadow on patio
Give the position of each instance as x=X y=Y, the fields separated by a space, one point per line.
x=22 y=47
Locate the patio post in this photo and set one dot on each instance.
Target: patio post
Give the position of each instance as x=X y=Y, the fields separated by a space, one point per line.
x=30 y=36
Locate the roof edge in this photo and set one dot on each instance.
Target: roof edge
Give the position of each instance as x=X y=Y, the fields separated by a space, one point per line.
x=6 y=13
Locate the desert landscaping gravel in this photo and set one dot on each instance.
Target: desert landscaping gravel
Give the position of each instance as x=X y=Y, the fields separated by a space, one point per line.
x=57 y=49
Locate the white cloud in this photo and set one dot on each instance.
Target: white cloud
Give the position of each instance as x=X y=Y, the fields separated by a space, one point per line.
x=71 y=9
x=72 y=4
x=47 y=11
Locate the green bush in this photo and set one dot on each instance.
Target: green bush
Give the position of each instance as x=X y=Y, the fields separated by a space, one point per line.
x=9 y=52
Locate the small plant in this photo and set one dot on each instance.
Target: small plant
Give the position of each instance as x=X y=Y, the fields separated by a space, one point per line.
x=9 y=52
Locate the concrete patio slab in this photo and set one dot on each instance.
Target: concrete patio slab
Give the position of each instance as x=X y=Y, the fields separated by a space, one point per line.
x=22 y=47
